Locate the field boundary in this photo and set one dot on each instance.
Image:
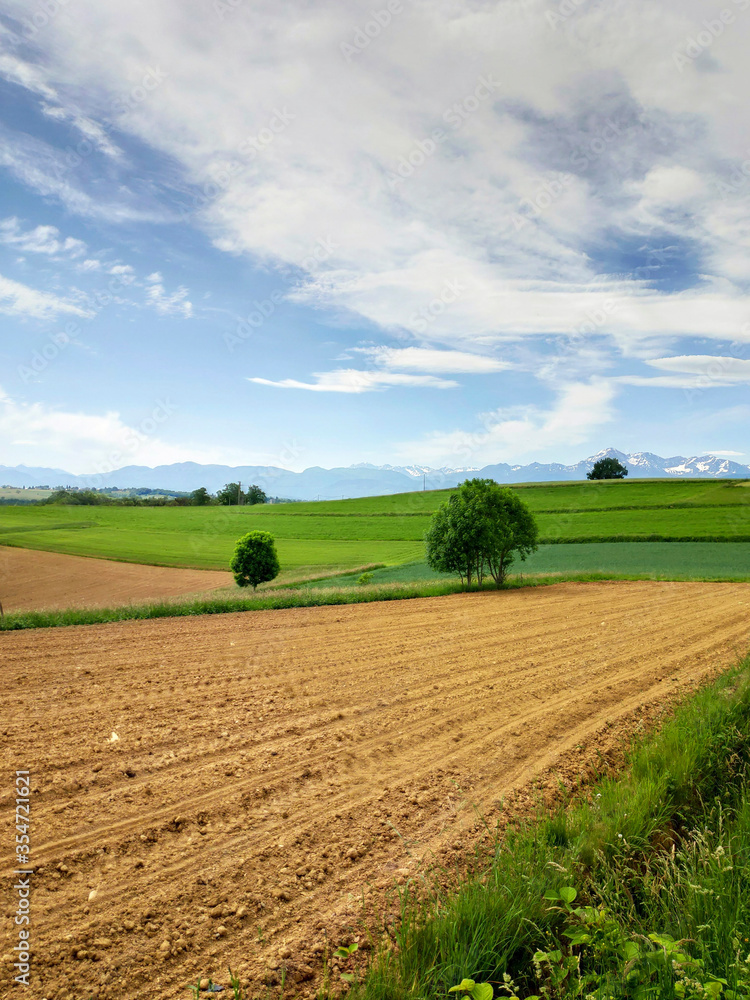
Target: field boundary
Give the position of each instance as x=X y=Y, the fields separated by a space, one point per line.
x=294 y=596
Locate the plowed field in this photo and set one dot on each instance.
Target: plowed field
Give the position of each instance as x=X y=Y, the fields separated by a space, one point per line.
x=223 y=790
x=32 y=581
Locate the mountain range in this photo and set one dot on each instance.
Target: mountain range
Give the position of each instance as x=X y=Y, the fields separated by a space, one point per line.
x=367 y=480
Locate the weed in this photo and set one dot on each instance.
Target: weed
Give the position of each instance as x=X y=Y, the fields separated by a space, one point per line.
x=477 y=991
x=234 y=982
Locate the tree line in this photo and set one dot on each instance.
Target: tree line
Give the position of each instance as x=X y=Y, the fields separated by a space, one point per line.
x=231 y=494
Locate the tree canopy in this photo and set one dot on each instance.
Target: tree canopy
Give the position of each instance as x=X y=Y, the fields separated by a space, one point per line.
x=607 y=468
x=480 y=529
x=200 y=497
x=256 y=495
x=231 y=494
x=255 y=560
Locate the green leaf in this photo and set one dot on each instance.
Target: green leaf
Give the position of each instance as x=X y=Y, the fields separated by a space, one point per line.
x=348 y=977
x=568 y=894
x=482 y=991
x=552 y=894
x=465 y=986
x=578 y=937
x=630 y=950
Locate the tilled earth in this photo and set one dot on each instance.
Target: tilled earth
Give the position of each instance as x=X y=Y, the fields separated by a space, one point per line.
x=226 y=790
x=34 y=581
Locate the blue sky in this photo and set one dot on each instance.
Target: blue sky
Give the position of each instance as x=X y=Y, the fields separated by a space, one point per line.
x=442 y=232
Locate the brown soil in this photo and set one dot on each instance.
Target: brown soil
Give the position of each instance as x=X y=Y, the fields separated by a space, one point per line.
x=272 y=767
x=32 y=581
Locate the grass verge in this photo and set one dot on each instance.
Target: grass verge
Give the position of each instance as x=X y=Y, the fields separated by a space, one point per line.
x=294 y=596
x=659 y=855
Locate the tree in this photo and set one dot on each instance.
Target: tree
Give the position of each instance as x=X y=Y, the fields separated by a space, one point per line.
x=231 y=495
x=256 y=495
x=200 y=497
x=607 y=468
x=255 y=560
x=480 y=529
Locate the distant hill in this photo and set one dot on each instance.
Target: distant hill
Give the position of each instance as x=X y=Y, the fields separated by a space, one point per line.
x=368 y=480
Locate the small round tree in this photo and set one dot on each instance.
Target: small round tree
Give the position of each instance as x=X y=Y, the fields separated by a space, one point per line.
x=255 y=560
x=607 y=468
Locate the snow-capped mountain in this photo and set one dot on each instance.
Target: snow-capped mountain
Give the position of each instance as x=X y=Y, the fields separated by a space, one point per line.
x=371 y=480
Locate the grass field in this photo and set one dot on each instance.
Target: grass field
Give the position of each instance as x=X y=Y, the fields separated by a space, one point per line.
x=668 y=560
x=348 y=533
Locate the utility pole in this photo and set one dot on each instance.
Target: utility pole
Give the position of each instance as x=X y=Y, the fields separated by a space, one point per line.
x=424 y=481
x=239 y=493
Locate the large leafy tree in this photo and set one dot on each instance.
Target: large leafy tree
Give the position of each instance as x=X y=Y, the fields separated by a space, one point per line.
x=231 y=495
x=607 y=468
x=256 y=495
x=255 y=560
x=200 y=497
x=480 y=529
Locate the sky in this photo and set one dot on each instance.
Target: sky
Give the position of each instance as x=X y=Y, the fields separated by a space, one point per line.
x=438 y=232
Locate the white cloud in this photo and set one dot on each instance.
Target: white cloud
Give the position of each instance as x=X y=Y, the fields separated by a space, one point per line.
x=87 y=443
x=124 y=272
x=176 y=304
x=42 y=239
x=520 y=433
x=56 y=173
x=705 y=364
x=93 y=132
x=421 y=359
x=294 y=143
x=696 y=371
x=17 y=299
x=351 y=380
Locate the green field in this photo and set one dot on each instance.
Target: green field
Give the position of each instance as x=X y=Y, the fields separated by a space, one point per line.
x=672 y=560
x=389 y=530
